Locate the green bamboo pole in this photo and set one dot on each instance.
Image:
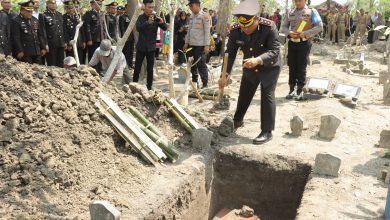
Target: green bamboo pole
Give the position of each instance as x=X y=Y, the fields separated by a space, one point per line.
x=177 y=115
x=145 y=122
x=162 y=142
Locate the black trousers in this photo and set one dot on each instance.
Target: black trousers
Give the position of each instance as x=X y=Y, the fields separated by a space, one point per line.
x=128 y=51
x=200 y=68
x=32 y=59
x=298 y=55
x=55 y=57
x=69 y=53
x=139 y=57
x=268 y=104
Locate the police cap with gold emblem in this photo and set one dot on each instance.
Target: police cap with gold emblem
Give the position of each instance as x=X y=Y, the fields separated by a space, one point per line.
x=68 y=2
x=112 y=4
x=27 y=5
x=120 y=8
x=246 y=12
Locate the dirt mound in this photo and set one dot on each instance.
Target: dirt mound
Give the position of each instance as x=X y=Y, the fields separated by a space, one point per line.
x=57 y=153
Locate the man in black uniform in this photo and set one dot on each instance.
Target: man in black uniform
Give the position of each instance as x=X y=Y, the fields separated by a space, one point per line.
x=147 y=25
x=93 y=27
x=112 y=21
x=6 y=5
x=128 y=49
x=55 y=34
x=71 y=20
x=27 y=39
x=5 y=34
x=258 y=39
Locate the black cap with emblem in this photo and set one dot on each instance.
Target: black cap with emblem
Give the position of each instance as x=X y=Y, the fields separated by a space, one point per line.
x=68 y=2
x=246 y=12
x=27 y=5
x=193 y=1
x=120 y=8
x=112 y=4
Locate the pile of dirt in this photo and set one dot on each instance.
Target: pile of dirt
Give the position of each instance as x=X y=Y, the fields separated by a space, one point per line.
x=57 y=152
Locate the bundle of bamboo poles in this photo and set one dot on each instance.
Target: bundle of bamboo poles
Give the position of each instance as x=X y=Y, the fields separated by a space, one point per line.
x=178 y=112
x=208 y=95
x=136 y=130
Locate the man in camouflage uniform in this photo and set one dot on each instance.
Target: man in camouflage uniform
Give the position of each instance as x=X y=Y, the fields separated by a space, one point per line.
x=361 y=27
x=342 y=20
x=332 y=26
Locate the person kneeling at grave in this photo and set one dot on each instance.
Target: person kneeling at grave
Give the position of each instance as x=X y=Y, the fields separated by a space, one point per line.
x=104 y=55
x=258 y=39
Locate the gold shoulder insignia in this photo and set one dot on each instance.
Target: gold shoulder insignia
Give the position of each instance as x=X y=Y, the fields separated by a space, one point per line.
x=265 y=22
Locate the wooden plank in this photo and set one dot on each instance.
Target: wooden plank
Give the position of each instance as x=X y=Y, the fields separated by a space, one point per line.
x=184 y=114
x=126 y=135
x=133 y=127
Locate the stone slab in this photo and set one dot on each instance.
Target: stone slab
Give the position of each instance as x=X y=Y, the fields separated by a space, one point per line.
x=103 y=210
x=327 y=164
x=201 y=138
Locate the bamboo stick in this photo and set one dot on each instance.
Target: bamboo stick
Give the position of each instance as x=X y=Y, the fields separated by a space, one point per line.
x=223 y=79
x=162 y=142
x=145 y=122
x=177 y=115
x=127 y=136
x=117 y=113
x=187 y=117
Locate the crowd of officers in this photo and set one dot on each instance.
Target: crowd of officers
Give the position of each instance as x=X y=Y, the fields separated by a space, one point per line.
x=46 y=38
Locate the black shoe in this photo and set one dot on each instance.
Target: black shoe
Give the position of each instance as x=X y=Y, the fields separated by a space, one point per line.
x=263 y=137
x=205 y=86
x=238 y=124
x=291 y=95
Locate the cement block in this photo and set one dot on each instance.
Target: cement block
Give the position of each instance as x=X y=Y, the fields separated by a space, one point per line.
x=384 y=141
x=386 y=93
x=296 y=124
x=329 y=125
x=327 y=164
x=201 y=138
x=226 y=127
x=383 y=77
x=103 y=210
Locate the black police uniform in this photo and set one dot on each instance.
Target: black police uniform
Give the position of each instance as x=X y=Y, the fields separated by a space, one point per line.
x=55 y=38
x=11 y=14
x=5 y=34
x=112 y=27
x=93 y=30
x=128 y=49
x=146 y=46
x=70 y=23
x=28 y=38
x=264 y=43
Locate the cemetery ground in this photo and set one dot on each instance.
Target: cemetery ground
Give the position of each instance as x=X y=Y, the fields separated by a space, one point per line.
x=58 y=172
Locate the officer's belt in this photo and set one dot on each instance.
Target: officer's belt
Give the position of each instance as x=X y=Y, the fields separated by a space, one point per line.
x=297 y=40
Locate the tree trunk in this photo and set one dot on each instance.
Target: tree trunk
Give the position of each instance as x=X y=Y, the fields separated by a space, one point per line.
x=223 y=17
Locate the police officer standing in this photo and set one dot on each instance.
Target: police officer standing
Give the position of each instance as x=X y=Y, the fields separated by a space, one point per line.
x=93 y=27
x=332 y=26
x=198 y=39
x=55 y=35
x=342 y=20
x=301 y=25
x=112 y=21
x=5 y=34
x=147 y=25
x=71 y=20
x=362 y=21
x=258 y=39
x=6 y=5
x=128 y=49
x=27 y=38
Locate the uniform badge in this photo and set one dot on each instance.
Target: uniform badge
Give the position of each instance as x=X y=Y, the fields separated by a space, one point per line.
x=25 y=31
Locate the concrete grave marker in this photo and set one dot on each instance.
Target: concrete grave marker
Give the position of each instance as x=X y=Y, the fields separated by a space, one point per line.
x=103 y=210
x=327 y=164
x=329 y=125
x=384 y=141
x=386 y=93
x=296 y=124
x=201 y=138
